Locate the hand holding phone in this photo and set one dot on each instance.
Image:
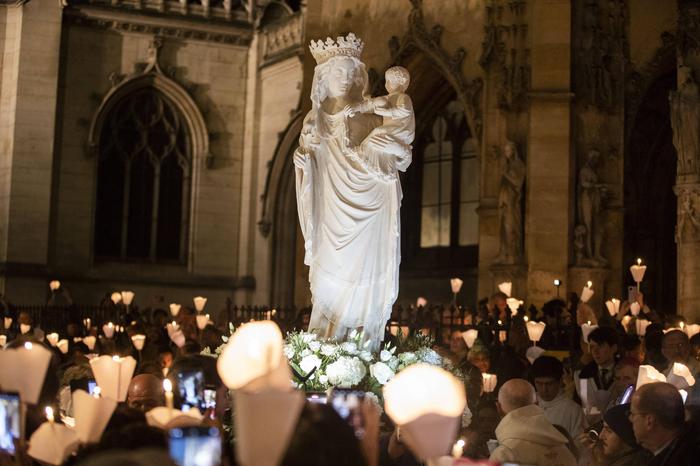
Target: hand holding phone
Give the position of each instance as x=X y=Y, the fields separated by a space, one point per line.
x=348 y=404
x=195 y=446
x=10 y=421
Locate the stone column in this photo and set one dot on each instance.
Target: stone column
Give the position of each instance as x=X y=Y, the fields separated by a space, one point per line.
x=685 y=121
x=28 y=95
x=549 y=172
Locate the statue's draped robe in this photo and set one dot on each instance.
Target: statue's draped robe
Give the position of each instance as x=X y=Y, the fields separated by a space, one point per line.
x=349 y=216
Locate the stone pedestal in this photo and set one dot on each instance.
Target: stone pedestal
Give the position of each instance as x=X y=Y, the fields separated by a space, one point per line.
x=580 y=276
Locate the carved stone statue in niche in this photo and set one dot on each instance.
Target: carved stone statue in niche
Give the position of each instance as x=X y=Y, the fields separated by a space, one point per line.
x=591 y=195
x=510 y=215
x=688 y=222
x=685 y=120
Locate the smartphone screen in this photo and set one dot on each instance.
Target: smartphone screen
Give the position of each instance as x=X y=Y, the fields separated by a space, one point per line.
x=195 y=446
x=190 y=390
x=627 y=395
x=10 y=416
x=317 y=397
x=347 y=403
x=91 y=386
x=209 y=398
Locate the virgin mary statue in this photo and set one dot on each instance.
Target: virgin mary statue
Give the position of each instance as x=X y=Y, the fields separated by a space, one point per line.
x=348 y=199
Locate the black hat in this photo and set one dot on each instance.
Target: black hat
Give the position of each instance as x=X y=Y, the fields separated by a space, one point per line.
x=617 y=418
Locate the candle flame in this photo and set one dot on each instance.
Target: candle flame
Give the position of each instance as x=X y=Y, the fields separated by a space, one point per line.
x=639 y=261
x=590 y=284
x=167 y=385
x=525 y=319
x=49 y=413
x=28 y=345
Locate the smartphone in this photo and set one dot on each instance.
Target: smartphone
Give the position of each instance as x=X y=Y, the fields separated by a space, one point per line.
x=190 y=390
x=348 y=403
x=86 y=385
x=209 y=398
x=195 y=446
x=632 y=294
x=10 y=421
x=626 y=395
x=91 y=386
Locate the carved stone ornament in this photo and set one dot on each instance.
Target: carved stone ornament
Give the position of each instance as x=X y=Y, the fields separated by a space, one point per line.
x=420 y=38
x=151 y=75
x=600 y=51
x=589 y=234
x=505 y=52
x=688 y=223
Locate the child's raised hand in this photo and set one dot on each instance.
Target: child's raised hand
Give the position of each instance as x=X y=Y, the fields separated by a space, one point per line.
x=350 y=111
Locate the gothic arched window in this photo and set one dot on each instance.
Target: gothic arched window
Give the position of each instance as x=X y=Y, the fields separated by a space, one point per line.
x=143 y=180
x=450 y=182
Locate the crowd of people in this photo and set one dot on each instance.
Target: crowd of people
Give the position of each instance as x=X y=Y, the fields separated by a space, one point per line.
x=548 y=407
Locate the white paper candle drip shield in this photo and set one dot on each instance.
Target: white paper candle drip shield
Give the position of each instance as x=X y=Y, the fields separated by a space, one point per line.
x=680 y=377
x=165 y=418
x=202 y=321
x=427 y=403
x=62 y=345
x=533 y=353
x=174 y=309
x=199 y=303
x=421 y=302
x=490 y=381
x=91 y=415
x=506 y=288
x=24 y=328
x=613 y=306
x=113 y=375
x=90 y=342
x=108 y=329
x=54 y=285
x=635 y=308
x=253 y=364
x=456 y=285
x=637 y=270
x=513 y=305
x=648 y=374
x=586 y=330
x=7 y=322
x=470 y=337
x=52 y=338
x=626 y=323
x=535 y=330
x=116 y=297
x=692 y=329
x=138 y=341
x=587 y=292
x=53 y=443
x=641 y=325
x=3 y=340
x=24 y=370
x=127 y=297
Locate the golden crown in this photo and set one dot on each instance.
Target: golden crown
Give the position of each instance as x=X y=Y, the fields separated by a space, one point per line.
x=348 y=46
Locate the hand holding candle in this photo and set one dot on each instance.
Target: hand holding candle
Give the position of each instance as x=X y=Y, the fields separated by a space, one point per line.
x=168 y=388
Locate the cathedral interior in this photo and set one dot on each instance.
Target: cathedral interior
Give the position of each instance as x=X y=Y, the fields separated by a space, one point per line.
x=148 y=145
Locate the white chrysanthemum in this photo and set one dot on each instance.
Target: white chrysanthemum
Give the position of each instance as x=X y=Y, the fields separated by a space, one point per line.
x=384 y=355
x=323 y=378
x=346 y=372
x=314 y=346
x=329 y=349
x=349 y=347
x=429 y=356
x=381 y=372
x=366 y=356
x=308 y=363
x=305 y=352
x=288 y=351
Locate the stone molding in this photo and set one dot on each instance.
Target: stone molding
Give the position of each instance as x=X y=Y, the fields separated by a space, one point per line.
x=282 y=40
x=234 y=32
x=420 y=38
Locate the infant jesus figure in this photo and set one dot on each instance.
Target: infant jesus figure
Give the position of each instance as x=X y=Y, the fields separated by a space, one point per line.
x=388 y=147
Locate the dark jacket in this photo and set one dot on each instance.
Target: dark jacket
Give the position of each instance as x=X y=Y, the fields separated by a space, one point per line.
x=683 y=451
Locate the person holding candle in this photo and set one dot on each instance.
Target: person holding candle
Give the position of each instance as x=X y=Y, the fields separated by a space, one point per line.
x=675 y=347
x=599 y=373
x=547 y=373
x=145 y=392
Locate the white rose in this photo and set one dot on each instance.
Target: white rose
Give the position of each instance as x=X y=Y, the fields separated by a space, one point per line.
x=384 y=355
x=381 y=372
x=308 y=363
x=323 y=379
x=366 y=356
x=314 y=346
x=393 y=362
x=346 y=372
x=349 y=347
x=328 y=349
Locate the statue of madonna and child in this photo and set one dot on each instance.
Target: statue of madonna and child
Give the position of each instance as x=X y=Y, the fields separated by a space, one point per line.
x=348 y=191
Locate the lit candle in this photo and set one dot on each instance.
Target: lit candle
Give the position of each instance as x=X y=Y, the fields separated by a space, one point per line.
x=525 y=318
x=613 y=306
x=587 y=292
x=638 y=270
x=458 y=449
x=88 y=323
x=168 y=388
x=49 y=414
x=199 y=303
x=54 y=285
x=108 y=329
x=116 y=297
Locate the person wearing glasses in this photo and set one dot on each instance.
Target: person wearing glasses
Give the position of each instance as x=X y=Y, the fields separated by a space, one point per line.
x=657 y=415
x=675 y=347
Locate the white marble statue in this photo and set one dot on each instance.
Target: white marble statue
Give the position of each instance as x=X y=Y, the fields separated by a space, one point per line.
x=348 y=191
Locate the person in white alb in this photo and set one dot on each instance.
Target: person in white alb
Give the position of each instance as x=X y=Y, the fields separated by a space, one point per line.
x=559 y=408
